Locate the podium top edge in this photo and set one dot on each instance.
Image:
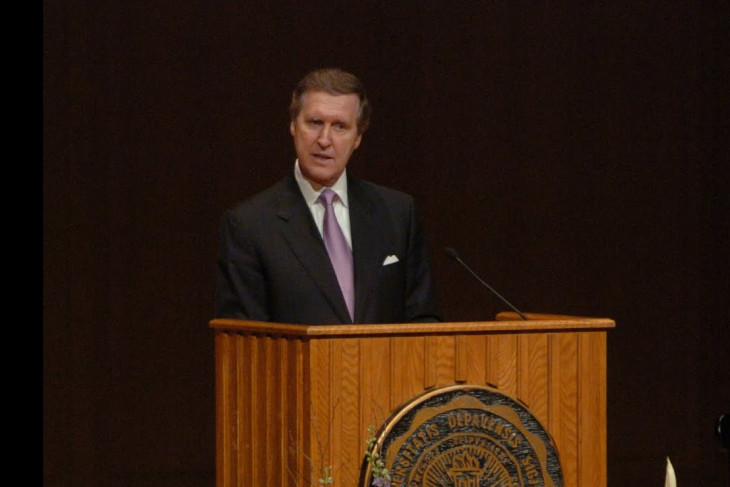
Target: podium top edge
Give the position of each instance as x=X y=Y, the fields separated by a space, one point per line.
x=563 y=324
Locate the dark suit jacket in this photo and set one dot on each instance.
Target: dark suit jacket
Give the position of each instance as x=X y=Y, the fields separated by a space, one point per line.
x=273 y=265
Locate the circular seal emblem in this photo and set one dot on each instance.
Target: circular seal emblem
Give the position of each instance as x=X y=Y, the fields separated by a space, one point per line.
x=465 y=436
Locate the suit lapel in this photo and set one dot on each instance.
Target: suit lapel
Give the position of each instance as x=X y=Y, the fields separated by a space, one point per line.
x=367 y=246
x=303 y=238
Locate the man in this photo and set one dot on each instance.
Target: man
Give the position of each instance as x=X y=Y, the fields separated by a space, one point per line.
x=275 y=259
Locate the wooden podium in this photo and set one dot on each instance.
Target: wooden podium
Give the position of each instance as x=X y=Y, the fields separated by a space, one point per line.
x=293 y=399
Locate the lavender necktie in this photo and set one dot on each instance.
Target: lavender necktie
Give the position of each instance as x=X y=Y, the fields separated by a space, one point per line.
x=338 y=250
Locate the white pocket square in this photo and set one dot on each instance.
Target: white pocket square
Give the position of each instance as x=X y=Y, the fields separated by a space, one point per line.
x=391 y=259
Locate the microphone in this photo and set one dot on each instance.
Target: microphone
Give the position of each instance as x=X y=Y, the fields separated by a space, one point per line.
x=455 y=256
x=722 y=430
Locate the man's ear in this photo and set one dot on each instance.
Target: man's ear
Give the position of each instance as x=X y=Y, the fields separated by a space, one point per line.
x=291 y=128
x=357 y=142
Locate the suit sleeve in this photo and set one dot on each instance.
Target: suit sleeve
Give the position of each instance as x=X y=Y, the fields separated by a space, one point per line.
x=240 y=287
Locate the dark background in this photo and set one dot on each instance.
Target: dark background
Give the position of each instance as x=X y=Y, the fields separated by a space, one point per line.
x=576 y=156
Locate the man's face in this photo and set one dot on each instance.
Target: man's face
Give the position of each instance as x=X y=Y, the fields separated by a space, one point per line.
x=325 y=135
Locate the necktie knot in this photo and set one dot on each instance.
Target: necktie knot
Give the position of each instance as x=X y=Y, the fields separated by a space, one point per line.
x=327 y=197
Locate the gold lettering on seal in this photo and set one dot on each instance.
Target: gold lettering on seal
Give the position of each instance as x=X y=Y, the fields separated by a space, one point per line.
x=531 y=472
x=505 y=431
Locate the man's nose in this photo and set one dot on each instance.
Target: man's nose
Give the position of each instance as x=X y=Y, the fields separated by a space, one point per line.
x=325 y=135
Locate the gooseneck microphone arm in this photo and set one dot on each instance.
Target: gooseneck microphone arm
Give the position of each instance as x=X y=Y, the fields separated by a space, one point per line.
x=455 y=256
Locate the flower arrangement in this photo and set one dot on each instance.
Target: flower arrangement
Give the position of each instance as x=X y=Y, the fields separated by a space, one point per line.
x=326 y=476
x=381 y=476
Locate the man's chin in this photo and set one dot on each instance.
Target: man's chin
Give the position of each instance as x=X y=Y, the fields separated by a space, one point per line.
x=321 y=178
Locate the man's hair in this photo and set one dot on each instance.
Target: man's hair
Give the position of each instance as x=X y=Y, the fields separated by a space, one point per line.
x=335 y=82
